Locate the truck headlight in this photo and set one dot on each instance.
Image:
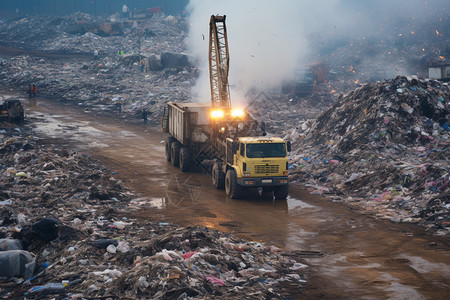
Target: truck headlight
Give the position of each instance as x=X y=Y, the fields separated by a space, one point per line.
x=215 y=114
x=237 y=113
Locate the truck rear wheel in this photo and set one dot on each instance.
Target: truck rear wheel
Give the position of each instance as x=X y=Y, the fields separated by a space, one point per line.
x=232 y=188
x=169 y=142
x=175 y=153
x=185 y=159
x=281 y=192
x=218 y=176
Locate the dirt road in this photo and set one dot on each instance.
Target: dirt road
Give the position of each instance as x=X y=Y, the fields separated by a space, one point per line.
x=355 y=256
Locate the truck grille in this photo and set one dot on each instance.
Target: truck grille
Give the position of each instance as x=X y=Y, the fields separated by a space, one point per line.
x=265 y=169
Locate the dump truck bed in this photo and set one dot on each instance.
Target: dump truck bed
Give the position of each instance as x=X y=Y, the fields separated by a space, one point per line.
x=189 y=122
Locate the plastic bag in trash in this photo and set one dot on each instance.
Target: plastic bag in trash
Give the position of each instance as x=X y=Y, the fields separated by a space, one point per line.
x=16 y=263
x=104 y=243
x=10 y=244
x=47 y=229
x=48 y=288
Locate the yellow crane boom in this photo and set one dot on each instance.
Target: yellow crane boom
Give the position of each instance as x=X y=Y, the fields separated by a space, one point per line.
x=219 y=60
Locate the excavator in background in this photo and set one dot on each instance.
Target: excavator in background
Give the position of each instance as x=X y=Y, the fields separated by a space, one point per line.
x=11 y=110
x=227 y=142
x=306 y=80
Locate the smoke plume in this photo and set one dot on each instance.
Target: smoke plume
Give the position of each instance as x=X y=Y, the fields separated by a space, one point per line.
x=268 y=40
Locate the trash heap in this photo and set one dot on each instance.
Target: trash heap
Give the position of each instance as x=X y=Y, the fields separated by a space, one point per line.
x=67 y=230
x=282 y=112
x=383 y=147
x=101 y=85
x=81 y=33
x=112 y=79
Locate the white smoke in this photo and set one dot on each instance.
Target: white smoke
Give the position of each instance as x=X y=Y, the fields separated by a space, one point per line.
x=267 y=40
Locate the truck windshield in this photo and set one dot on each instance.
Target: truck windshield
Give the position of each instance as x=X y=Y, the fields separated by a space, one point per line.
x=266 y=150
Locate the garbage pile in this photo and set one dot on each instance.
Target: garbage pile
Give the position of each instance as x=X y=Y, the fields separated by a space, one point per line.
x=282 y=112
x=112 y=79
x=67 y=231
x=101 y=85
x=383 y=147
x=81 y=33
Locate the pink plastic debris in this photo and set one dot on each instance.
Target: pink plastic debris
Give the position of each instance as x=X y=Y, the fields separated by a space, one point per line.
x=188 y=255
x=215 y=280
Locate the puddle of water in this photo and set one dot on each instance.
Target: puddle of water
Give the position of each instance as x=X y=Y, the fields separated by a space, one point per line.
x=90 y=130
x=50 y=129
x=400 y=291
x=424 y=266
x=158 y=202
x=126 y=133
x=56 y=125
x=295 y=204
x=98 y=145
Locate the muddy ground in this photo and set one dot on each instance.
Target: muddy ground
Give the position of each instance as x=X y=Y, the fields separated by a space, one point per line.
x=341 y=245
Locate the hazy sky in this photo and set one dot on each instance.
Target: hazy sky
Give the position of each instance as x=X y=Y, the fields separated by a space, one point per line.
x=269 y=39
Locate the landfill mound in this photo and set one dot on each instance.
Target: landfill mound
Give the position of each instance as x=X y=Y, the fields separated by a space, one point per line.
x=82 y=33
x=404 y=110
x=386 y=146
x=282 y=112
x=100 y=85
x=112 y=79
x=38 y=33
x=67 y=231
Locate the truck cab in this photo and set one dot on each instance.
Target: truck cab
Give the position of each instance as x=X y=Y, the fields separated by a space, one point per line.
x=254 y=162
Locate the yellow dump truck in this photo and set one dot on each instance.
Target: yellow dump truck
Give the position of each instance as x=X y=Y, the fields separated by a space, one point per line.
x=199 y=136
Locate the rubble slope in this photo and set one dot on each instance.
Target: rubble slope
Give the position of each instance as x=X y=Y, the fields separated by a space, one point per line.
x=384 y=145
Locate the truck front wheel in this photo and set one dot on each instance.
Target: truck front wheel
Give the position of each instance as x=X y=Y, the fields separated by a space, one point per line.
x=218 y=176
x=185 y=159
x=175 y=153
x=232 y=188
x=281 y=192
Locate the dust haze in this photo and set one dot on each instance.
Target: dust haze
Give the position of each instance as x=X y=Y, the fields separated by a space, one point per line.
x=268 y=40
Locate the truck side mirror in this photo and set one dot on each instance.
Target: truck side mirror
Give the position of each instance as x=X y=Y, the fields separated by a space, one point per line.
x=235 y=147
x=288 y=144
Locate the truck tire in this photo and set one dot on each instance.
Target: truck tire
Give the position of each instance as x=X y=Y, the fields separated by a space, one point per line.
x=169 y=142
x=281 y=192
x=175 y=153
x=185 y=159
x=232 y=188
x=218 y=176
